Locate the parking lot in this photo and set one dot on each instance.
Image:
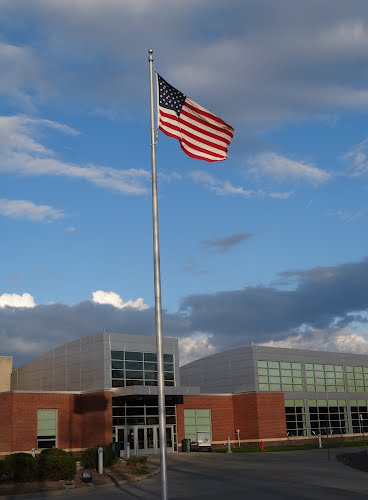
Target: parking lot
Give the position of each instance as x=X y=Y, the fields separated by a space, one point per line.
x=287 y=475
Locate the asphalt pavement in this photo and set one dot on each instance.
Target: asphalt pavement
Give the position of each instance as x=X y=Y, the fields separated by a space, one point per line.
x=287 y=475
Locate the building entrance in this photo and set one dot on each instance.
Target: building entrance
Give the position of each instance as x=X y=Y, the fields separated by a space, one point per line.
x=143 y=439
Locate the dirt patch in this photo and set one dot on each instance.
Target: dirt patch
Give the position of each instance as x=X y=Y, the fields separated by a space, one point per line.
x=357 y=460
x=117 y=474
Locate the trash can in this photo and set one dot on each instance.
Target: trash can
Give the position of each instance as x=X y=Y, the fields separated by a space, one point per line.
x=117 y=448
x=185 y=445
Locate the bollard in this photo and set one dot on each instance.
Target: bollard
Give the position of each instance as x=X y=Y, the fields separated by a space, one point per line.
x=320 y=441
x=229 y=445
x=33 y=452
x=100 y=461
x=261 y=446
x=238 y=433
x=128 y=450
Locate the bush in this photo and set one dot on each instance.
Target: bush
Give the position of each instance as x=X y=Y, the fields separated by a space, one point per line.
x=109 y=456
x=89 y=457
x=56 y=465
x=20 y=467
x=137 y=465
x=2 y=469
x=53 y=451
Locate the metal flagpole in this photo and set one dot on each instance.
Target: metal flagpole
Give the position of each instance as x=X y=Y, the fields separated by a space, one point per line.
x=158 y=310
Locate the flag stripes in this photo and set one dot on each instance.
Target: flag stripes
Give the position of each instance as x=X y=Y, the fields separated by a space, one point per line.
x=201 y=134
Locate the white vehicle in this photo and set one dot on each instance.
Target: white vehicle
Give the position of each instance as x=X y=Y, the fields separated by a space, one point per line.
x=203 y=442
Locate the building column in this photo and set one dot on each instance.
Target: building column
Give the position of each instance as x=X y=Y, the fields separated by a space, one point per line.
x=307 y=417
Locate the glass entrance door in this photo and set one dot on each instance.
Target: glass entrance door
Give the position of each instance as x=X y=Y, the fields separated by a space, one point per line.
x=143 y=439
x=169 y=437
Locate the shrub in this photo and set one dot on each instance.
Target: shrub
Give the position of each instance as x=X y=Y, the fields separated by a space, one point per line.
x=109 y=456
x=53 y=451
x=137 y=465
x=56 y=466
x=89 y=457
x=2 y=469
x=20 y=467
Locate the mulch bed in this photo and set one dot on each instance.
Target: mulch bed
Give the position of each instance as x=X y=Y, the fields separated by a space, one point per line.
x=358 y=460
x=112 y=475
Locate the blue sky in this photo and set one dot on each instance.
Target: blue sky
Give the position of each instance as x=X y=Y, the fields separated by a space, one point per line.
x=288 y=208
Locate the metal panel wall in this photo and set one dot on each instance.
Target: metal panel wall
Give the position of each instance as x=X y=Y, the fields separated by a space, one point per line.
x=84 y=364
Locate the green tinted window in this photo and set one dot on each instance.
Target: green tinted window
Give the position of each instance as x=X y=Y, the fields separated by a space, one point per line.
x=196 y=420
x=134 y=356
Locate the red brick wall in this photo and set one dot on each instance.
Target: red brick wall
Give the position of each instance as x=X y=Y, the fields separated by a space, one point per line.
x=221 y=415
x=83 y=419
x=271 y=415
x=96 y=424
x=245 y=416
x=260 y=415
x=6 y=419
x=256 y=415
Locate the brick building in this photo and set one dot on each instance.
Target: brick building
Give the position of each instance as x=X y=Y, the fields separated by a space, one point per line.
x=103 y=388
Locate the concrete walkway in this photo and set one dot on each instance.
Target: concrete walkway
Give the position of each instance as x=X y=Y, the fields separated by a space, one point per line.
x=286 y=475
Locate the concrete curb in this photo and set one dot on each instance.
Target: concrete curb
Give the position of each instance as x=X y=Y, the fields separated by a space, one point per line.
x=81 y=490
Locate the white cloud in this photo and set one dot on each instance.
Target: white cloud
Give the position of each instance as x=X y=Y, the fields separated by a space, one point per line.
x=219 y=187
x=226 y=188
x=20 y=70
x=339 y=340
x=195 y=347
x=282 y=168
x=22 y=153
x=114 y=299
x=358 y=159
x=279 y=62
x=347 y=216
x=15 y=300
x=24 y=209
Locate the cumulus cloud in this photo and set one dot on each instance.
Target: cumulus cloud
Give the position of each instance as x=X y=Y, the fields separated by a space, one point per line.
x=24 y=209
x=335 y=339
x=315 y=297
x=16 y=300
x=195 y=347
x=22 y=153
x=280 y=60
x=282 y=168
x=45 y=326
x=321 y=308
x=114 y=299
x=224 y=244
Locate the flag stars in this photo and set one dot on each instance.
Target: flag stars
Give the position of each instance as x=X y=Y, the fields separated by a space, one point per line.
x=169 y=97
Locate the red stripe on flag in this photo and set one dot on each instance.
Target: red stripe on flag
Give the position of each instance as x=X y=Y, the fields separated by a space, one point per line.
x=202 y=131
x=201 y=150
x=204 y=122
x=193 y=136
x=207 y=114
x=197 y=157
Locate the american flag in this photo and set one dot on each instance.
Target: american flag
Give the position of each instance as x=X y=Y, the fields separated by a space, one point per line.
x=201 y=134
